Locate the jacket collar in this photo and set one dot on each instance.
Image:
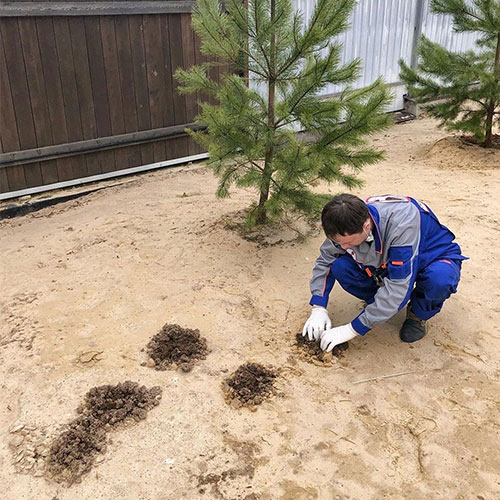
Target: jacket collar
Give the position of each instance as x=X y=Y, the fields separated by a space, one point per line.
x=376 y=229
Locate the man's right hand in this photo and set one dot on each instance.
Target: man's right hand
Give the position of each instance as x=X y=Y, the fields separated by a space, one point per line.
x=318 y=322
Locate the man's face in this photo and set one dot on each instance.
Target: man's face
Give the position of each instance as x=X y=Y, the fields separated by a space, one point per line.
x=353 y=240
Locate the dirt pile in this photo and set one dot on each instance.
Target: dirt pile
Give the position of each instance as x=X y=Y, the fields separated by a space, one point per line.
x=75 y=450
x=249 y=385
x=176 y=347
x=458 y=152
x=311 y=351
x=111 y=405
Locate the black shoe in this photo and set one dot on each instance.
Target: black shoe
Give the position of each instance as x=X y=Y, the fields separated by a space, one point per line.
x=413 y=328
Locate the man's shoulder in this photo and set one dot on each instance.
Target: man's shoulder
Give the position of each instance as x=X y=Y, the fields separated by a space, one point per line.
x=387 y=198
x=391 y=203
x=395 y=211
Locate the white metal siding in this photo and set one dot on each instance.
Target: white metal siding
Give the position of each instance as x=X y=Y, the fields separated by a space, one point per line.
x=382 y=33
x=439 y=29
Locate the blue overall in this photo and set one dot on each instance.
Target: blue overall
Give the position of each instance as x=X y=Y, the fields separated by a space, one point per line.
x=433 y=284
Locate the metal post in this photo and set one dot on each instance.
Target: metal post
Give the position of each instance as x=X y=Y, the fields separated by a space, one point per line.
x=417 y=31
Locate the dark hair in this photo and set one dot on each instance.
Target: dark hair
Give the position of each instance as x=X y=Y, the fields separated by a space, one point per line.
x=344 y=214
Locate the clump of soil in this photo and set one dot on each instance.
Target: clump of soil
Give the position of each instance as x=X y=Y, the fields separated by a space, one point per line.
x=72 y=454
x=75 y=450
x=127 y=402
x=249 y=385
x=311 y=350
x=176 y=347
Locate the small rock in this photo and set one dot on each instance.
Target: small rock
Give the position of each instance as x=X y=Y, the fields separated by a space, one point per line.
x=87 y=357
x=150 y=363
x=16 y=428
x=41 y=449
x=39 y=473
x=17 y=440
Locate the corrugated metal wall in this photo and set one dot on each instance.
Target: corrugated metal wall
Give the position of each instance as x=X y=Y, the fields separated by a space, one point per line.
x=439 y=29
x=383 y=31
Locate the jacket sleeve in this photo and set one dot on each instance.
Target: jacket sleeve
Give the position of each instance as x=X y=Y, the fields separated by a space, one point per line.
x=402 y=267
x=322 y=281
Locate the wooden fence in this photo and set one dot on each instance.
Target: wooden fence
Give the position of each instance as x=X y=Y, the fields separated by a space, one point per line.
x=87 y=88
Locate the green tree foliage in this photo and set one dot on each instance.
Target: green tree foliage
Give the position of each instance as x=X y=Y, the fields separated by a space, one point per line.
x=250 y=135
x=469 y=81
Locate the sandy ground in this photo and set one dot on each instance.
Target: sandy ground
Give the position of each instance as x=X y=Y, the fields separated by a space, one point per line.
x=104 y=273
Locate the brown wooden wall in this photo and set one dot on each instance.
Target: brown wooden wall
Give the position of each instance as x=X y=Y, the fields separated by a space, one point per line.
x=73 y=78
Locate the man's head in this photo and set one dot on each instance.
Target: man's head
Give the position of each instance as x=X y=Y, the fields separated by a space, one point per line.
x=346 y=220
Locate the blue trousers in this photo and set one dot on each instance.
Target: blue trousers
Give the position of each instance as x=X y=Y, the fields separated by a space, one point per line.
x=433 y=284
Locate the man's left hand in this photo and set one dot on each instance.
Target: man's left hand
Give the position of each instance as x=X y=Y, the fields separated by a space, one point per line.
x=334 y=336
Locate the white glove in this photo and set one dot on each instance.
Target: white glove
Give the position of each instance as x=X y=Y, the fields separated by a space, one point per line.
x=334 y=336
x=317 y=322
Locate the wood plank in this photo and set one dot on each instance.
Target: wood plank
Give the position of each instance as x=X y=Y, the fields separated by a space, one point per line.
x=43 y=125
x=189 y=59
x=16 y=111
x=126 y=74
x=81 y=8
x=92 y=145
x=18 y=83
x=169 y=113
x=98 y=77
x=62 y=35
x=140 y=83
x=176 y=61
x=37 y=100
x=177 y=147
x=84 y=86
x=134 y=155
x=15 y=178
x=99 y=94
x=155 y=75
x=8 y=125
x=94 y=165
x=113 y=85
x=4 y=181
x=199 y=59
x=48 y=52
x=174 y=30
x=82 y=75
x=38 y=95
x=50 y=174
x=48 y=168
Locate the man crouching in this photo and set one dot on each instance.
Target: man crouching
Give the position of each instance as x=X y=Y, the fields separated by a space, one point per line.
x=389 y=251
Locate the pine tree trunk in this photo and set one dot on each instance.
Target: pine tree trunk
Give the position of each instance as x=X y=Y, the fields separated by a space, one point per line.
x=271 y=96
x=488 y=143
